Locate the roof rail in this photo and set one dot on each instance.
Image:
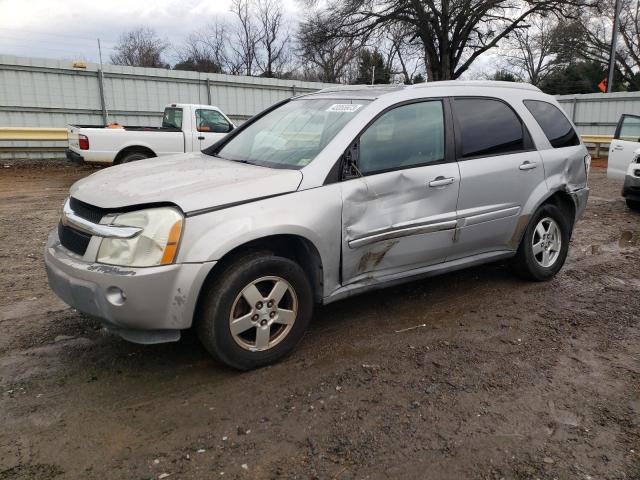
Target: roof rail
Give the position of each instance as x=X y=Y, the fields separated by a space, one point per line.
x=478 y=83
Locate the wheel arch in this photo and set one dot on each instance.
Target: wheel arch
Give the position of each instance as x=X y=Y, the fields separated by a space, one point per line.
x=291 y=246
x=559 y=198
x=130 y=149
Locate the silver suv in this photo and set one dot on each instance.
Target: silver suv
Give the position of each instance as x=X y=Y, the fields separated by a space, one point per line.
x=318 y=198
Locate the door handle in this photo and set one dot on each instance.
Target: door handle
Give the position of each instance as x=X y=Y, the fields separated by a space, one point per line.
x=528 y=165
x=200 y=138
x=618 y=147
x=441 y=182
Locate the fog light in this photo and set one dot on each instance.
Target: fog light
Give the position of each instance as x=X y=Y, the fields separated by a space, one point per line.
x=115 y=296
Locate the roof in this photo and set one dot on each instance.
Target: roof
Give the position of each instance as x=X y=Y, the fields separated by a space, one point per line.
x=375 y=91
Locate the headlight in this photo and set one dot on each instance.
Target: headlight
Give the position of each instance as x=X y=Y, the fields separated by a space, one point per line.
x=156 y=244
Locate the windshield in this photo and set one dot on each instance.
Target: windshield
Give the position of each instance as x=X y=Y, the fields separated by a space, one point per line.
x=292 y=135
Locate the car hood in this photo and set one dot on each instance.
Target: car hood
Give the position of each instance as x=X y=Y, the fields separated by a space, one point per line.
x=193 y=181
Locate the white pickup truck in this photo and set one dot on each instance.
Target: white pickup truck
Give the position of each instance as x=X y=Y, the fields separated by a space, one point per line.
x=624 y=158
x=185 y=128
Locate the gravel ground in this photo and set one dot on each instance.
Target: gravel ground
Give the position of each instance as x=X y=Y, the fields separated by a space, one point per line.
x=473 y=374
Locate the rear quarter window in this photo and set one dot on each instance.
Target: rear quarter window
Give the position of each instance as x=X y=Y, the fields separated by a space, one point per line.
x=554 y=124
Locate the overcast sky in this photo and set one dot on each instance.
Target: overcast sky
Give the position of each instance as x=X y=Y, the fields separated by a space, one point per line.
x=68 y=29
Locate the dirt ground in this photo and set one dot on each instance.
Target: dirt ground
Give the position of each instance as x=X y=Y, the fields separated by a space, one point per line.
x=470 y=375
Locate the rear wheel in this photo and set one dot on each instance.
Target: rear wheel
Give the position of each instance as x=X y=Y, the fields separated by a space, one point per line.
x=633 y=204
x=134 y=156
x=255 y=311
x=544 y=247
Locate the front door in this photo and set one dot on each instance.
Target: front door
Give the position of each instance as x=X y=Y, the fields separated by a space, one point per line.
x=211 y=126
x=500 y=170
x=622 y=149
x=399 y=212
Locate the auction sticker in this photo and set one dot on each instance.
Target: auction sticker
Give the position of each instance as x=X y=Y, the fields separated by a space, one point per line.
x=344 y=107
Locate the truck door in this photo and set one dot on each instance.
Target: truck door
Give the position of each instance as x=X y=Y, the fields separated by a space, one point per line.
x=622 y=150
x=211 y=126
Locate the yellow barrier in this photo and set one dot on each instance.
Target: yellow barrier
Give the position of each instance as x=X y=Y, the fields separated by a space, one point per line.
x=37 y=134
x=597 y=140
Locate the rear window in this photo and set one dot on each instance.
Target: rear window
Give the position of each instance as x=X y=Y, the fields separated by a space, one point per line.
x=554 y=124
x=172 y=118
x=488 y=127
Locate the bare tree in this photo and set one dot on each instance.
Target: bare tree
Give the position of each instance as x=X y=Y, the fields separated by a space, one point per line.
x=589 y=38
x=274 y=40
x=452 y=33
x=247 y=35
x=140 y=48
x=530 y=52
x=330 y=55
x=205 y=51
x=403 y=54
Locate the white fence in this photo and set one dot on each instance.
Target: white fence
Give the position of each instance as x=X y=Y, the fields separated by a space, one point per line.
x=598 y=113
x=52 y=93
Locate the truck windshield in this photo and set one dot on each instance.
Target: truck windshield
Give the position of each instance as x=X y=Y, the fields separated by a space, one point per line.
x=292 y=135
x=172 y=118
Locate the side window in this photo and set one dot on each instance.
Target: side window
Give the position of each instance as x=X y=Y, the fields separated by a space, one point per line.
x=629 y=128
x=409 y=135
x=488 y=127
x=554 y=124
x=172 y=118
x=211 y=121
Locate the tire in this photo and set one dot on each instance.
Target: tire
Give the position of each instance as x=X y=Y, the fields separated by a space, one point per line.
x=133 y=157
x=226 y=299
x=538 y=265
x=633 y=205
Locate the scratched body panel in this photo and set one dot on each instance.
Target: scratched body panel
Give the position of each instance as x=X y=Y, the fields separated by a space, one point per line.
x=393 y=220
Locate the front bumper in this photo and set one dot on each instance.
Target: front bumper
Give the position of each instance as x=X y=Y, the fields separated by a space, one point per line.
x=142 y=305
x=631 y=188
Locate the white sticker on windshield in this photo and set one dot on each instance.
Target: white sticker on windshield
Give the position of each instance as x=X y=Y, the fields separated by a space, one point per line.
x=344 y=107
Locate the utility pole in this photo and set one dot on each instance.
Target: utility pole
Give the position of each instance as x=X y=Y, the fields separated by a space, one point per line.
x=373 y=75
x=103 y=104
x=614 y=41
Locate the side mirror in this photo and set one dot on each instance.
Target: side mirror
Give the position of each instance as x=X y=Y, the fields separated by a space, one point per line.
x=231 y=127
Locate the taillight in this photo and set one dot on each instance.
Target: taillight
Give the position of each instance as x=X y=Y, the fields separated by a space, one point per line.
x=83 y=142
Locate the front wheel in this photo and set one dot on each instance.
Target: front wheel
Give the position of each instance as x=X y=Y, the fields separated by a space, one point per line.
x=255 y=311
x=544 y=246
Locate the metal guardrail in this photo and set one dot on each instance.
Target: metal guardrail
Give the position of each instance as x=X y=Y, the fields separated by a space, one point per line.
x=598 y=141
x=33 y=134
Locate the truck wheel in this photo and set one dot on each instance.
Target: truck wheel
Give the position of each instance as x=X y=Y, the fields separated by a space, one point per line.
x=134 y=156
x=544 y=246
x=255 y=311
x=633 y=205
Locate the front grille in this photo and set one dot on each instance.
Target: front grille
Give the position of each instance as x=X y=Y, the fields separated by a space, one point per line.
x=86 y=211
x=73 y=240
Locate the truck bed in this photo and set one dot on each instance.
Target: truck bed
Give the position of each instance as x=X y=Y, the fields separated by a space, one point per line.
x=132 y=128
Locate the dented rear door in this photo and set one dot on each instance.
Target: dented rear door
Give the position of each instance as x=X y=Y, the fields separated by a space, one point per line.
x=400 y=214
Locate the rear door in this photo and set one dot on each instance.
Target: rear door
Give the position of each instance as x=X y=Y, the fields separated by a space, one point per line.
x=211 y=126
x=399 y=210
x=622 y=150
x=499 y=169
